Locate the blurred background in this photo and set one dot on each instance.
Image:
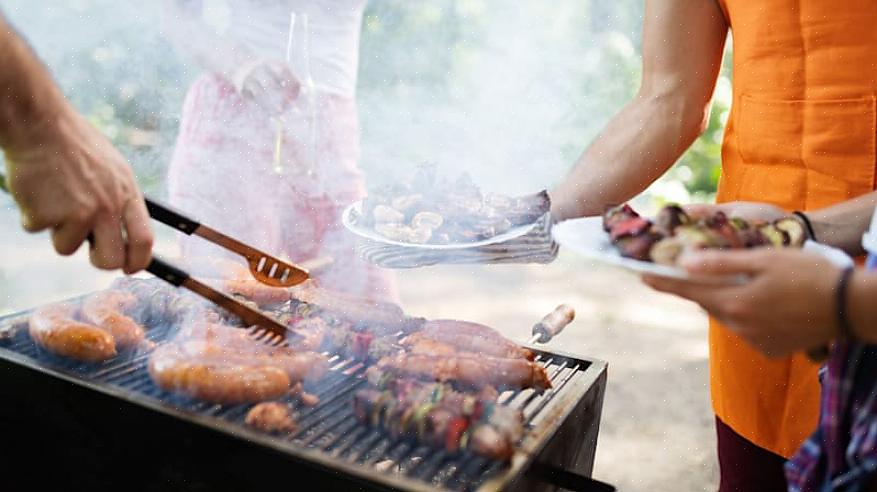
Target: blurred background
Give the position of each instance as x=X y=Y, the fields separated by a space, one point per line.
x=510 y=92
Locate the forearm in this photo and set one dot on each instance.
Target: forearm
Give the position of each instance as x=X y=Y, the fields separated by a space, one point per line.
x=842 y=225
x=861 y=305
x=29 y=98
x=683 y=44
x=630 y=154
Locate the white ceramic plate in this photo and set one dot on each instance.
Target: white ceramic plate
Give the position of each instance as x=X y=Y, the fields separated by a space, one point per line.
x=587 y=238
x=356 y=208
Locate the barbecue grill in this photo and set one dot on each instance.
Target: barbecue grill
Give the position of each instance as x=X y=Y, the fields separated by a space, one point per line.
x=107 y=425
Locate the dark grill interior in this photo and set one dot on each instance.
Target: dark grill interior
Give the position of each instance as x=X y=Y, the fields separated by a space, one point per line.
x=330 y=427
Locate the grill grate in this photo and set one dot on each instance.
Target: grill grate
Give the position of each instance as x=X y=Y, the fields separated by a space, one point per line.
x=329 y=427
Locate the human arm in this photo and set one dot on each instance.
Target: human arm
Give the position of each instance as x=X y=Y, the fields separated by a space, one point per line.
x=63 y=174
x=683 y=43
x=789 y=302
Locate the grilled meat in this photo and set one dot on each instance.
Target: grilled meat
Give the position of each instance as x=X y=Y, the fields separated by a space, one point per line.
x=55 y=329
x=106 y=309
x=615 y=215
x=160 y=303
x=383 y=317
x=469 y=337
x=195 y=371
x=674 y=232
x=468 y=371
x=221 y=364
x=436 y=415
x=638 y=247
x=669 y=218
x=271 y=417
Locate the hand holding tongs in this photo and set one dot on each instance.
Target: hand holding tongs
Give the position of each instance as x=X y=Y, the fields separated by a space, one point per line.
x=265 y=268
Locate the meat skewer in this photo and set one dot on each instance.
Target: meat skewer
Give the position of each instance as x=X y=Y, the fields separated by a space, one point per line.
x=435 y=414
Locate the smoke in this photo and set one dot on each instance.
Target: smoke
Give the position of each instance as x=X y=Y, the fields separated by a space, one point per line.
x=509 y=92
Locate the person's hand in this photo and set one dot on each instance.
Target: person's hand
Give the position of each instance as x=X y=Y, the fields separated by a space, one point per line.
x=65 y=176
x=749 y=211
x=787 y=305
x=270 y=84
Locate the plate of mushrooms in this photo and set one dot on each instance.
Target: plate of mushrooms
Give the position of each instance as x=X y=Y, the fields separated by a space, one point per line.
x=431 y=213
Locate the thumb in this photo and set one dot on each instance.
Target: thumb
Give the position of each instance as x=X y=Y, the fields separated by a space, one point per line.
x=724 y=262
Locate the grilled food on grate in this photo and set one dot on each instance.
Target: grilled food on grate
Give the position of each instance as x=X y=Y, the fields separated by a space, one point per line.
x=272 y=417
x=92 y=332
x=56 y=329
x=437 y=415
x=221 y=364
x=672 y=232
x=468 y=370
x=467 y=337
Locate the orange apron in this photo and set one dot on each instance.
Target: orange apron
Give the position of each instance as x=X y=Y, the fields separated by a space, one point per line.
x=801 y=135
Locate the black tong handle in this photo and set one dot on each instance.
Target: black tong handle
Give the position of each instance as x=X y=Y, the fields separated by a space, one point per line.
x=171 y=217
x=167 y=272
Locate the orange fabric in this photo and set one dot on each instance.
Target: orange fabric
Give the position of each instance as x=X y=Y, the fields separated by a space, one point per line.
x=801 y=135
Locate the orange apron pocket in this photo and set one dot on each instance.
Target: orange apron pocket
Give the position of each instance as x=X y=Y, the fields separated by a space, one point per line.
x=806 y=153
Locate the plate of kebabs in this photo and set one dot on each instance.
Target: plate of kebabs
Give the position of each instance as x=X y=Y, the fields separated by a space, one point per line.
x=623 y=238
x=428 y=212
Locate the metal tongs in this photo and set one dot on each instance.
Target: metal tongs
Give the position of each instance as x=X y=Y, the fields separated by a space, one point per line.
x=265 y=268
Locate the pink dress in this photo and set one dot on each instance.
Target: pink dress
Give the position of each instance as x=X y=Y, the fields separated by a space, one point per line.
x=222 y=170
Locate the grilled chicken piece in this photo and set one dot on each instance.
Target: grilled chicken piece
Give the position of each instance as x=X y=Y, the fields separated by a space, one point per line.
x=271 y=417
x=106 y=309
x=221 y=364
x=437 y=415
x=474 y=372
x=55 y=329
x=469 y=337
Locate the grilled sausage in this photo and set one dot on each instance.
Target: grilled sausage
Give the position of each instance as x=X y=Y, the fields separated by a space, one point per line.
x=475 y=372
x=184 y=369
x=470 y=337
x=54 y=328
x=222 y=364
x=106 y=309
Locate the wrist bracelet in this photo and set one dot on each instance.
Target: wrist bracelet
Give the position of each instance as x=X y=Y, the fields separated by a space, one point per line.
x=843 y=322
x=806 y=220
